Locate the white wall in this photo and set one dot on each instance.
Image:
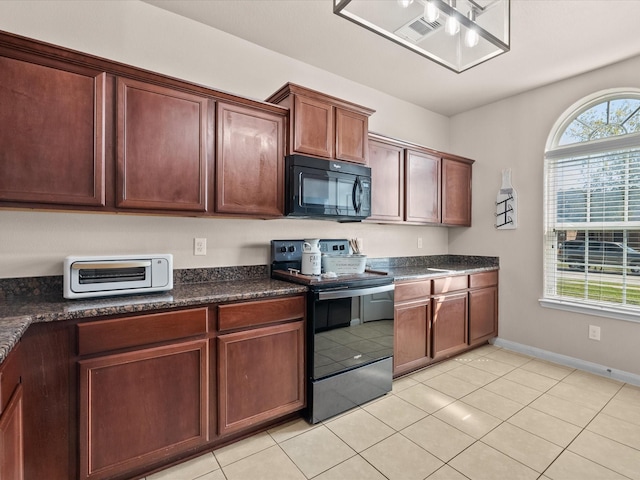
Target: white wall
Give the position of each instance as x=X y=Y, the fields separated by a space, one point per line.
x=512 y=134
x=135 y=33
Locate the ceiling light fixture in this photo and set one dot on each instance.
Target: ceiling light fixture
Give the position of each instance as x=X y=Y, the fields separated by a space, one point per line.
x=437 y=29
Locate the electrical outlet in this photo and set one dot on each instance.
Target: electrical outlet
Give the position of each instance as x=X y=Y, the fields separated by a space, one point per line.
x=594 y=332
x=419 y=242
x=199 y=246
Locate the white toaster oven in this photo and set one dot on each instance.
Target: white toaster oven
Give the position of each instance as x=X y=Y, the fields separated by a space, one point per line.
x=101 y=276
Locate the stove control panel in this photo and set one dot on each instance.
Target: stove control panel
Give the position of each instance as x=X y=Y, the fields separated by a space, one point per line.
x=291 y=250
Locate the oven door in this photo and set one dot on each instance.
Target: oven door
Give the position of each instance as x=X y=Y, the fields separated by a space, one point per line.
x=350 y=328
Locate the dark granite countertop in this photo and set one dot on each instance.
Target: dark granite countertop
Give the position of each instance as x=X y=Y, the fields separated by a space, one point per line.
x=416 y=273
x=415 y=268
x=39 y=299
x=17 y=312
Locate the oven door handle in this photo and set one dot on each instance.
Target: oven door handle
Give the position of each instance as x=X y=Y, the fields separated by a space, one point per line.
x=353 y=292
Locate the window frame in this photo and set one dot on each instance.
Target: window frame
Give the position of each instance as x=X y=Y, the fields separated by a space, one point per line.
x=554 y=152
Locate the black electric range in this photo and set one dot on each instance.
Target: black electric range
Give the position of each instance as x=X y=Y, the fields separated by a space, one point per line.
x=349 y=330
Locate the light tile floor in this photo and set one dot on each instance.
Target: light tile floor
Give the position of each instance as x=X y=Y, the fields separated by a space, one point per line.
x=489 y=414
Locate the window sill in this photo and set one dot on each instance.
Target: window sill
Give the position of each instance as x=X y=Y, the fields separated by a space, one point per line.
x=618 y=313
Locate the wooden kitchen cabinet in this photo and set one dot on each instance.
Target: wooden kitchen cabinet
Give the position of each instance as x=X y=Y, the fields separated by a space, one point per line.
x=483 y=307
x=351 y=135
x=324 y=126
x=387 y=181
x=422 y=187
x=439 y=318
x=11 y=418
x=260 y=362
x=412 y=320
x=449 y=328
x=162 y=147
x=417 y=185
x=52 y=132
x=456 y=192
x=249 y=161
x=450 y=315
x=142 y=405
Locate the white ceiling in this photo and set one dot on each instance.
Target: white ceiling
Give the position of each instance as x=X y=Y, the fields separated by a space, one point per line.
x=550 y=40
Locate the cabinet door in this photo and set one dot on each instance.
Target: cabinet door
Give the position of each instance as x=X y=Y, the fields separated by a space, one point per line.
x=11 y=446
x=52 y=129
x=142 y=406
x=313 y=128
x=449 y=329
x=422 y=187
x=411 y=339
x=249 y=161
x=456 y=192
x=162 y=148
x=387 y=181
x=483 y=315
x=260 y=375
x=351 y=136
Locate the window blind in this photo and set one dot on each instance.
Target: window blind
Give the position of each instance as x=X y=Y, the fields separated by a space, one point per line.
x=592 y=228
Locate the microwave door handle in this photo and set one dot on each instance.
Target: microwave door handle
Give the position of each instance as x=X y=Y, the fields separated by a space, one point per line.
x=357 y=194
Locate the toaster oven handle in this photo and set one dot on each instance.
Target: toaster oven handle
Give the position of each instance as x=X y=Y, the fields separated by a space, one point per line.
x=109 y=265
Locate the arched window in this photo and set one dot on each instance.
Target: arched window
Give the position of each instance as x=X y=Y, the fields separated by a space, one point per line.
x=592 y=207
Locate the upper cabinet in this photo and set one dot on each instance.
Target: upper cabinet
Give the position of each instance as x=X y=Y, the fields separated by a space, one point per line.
x=161 y=148
x=456 y=192
x=387 y=181
x=324 y=126
x=422 y=193
x=417 y=185
x=79 y=132
x=52 y=131
x=249 y=160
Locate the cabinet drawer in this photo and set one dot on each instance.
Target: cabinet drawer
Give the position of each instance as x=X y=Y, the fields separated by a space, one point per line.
x=118 y=333
x=486 y=279
x=450 y=284
x=250 y=314
x=412 y=291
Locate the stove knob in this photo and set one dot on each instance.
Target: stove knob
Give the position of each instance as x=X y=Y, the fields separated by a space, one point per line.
x=292 y=248
x=283 y=249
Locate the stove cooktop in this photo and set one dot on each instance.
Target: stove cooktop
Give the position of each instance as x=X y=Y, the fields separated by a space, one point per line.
x=286 y=260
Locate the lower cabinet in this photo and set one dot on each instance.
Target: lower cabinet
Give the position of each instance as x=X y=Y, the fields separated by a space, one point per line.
x=449 y=328
x=260 y=375
x=118 y=397
x=139 y=407
x=11 y=419
x=439 y=318
x=260 y=362
x=412 y=320
x=483 y=307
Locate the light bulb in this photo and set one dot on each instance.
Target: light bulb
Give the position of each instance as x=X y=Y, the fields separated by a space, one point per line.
x=471 y=38
x=431 y=13
x=405 y=3
x=452 y=26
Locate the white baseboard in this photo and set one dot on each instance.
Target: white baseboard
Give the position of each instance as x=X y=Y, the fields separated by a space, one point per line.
x=596 y=368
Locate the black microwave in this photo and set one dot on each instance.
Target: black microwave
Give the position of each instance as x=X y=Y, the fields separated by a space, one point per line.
x=327 y=189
